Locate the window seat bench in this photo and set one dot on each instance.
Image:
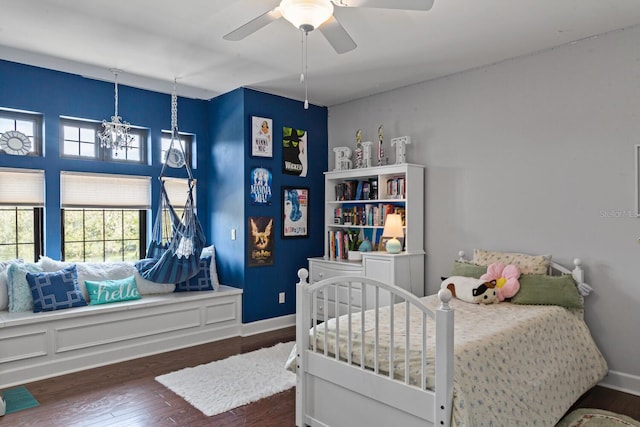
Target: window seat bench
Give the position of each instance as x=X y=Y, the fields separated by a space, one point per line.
x=35 y=346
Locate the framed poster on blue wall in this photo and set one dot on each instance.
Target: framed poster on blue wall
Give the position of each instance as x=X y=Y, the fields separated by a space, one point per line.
x=295 y=212
x=260 y=183
x=260 y=241
x=294 y=151
x=261 y=137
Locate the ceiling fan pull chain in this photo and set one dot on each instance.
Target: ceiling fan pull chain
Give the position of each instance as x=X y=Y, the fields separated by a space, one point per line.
x=301 y=56
x=305 y=62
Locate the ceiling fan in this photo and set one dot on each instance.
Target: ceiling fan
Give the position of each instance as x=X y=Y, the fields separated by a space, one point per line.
x=308 y=15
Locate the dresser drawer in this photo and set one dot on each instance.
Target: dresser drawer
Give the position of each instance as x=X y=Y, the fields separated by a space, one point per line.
x=343 y=294
x=321 y=269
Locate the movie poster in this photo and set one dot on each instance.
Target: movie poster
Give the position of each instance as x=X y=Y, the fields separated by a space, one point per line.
x=261 y=137
x=294 y=151
x=260 y=241
x=295 y=212
x=260 y=186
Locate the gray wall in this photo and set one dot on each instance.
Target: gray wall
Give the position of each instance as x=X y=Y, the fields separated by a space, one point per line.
x=535 y=155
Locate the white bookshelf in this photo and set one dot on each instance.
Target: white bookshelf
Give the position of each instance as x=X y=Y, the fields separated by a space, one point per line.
x=412 y=201
x=405 y=269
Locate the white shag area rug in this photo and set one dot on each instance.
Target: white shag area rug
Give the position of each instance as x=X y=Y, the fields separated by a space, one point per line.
x=226 y=384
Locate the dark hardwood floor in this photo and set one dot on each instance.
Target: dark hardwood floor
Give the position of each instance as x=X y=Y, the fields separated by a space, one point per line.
x=126 y=394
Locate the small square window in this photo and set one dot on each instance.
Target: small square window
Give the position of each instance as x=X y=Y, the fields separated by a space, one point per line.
x=185 y=141
x=80 y=140
x=27 y=124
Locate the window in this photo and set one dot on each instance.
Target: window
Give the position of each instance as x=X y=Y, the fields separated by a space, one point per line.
x=186 y=140
x=30 y=124
x=21 y=213
x=103 y=234
x=104 y=217
x=80 y=140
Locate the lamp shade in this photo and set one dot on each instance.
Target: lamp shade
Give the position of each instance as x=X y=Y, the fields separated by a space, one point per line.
x=393 y=229
x=306 y=13
x=393 y=226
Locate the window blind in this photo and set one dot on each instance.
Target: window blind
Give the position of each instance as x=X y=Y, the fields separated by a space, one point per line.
x=177 y=190
x=104 y=191
x=21 y=187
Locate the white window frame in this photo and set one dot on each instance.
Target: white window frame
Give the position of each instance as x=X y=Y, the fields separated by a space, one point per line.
x=101 y=153
x=35 y=135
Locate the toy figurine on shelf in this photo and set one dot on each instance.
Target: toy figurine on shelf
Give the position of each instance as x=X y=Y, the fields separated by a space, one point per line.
x=358 y=152
x=380 y=147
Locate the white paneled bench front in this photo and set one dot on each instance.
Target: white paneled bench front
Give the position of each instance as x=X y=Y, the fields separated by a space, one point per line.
x=35 y=346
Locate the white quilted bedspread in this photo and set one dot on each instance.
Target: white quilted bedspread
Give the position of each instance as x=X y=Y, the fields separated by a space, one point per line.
x=514 y=365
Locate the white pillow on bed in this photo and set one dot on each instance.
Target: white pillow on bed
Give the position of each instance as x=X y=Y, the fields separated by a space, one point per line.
x=100 y=271
x=528 y=264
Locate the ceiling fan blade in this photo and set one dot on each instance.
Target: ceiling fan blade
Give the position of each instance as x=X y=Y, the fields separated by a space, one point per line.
x=253 y=25
x=388 y=4
x=337 y=36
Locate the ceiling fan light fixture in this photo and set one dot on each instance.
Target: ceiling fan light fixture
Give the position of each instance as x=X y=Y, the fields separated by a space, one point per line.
x=306 y=15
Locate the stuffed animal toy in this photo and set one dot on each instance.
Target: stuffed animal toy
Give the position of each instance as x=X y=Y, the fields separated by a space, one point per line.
x=472 y=290
x=506 y=279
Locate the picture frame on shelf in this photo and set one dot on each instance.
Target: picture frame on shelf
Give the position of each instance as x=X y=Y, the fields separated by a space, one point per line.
x=295 y=212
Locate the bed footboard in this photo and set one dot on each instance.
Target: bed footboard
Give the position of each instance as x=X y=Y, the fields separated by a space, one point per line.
x=372 y=365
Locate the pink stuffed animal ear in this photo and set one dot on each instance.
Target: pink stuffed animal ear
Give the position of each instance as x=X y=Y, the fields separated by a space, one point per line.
x=506 y=277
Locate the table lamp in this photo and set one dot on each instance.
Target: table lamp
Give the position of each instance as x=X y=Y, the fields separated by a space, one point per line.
x=393 y=229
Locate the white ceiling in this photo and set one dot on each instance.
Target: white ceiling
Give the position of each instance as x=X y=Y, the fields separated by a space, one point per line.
x=155 y=41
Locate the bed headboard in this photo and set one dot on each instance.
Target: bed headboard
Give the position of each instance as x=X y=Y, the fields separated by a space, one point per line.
x=556 y=269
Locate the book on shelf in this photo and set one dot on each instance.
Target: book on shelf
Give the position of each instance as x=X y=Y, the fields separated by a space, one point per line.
x=357 y=190
x=396 y=187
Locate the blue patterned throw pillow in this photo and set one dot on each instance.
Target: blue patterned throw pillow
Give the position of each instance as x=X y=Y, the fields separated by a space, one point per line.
x=55 y=290
x=201 y=281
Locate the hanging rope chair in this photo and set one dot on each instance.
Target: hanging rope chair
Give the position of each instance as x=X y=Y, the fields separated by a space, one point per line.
x=175 y=258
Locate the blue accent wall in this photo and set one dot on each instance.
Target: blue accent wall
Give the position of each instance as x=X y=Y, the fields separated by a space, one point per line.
x=230 y=127
x=54 y=94
x=223 y=130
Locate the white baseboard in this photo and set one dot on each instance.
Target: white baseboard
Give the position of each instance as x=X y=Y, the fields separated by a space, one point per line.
x=267 y=325
x=622 y=382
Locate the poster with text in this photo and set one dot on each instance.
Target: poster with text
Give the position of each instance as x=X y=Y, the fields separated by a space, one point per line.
x=261 y=241
x=261 y=137
x=295 y=212
x=260 y=186
x=294 y=151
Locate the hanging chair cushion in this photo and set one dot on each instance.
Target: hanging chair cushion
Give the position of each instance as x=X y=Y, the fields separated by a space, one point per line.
x=170 y=268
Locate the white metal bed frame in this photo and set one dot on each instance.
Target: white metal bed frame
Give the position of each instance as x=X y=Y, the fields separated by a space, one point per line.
x=333 y=391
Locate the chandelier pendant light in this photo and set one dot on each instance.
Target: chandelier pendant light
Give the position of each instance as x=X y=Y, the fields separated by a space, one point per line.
x=115 y=134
